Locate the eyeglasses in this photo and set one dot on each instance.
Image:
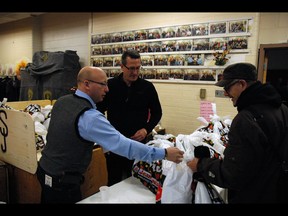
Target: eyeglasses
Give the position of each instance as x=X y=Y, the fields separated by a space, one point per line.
x=227 y=88
x=100 y=83
x=132 y=69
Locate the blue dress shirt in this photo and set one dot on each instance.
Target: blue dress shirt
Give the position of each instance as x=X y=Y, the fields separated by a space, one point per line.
x=95 y=127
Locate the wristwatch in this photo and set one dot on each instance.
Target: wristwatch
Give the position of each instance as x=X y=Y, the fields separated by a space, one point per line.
x=166 y=154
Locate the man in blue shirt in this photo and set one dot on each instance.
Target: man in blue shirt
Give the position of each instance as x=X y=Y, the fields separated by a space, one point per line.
x=75 y=126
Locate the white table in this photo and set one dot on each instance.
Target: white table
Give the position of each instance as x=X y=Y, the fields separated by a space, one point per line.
x=130 y=190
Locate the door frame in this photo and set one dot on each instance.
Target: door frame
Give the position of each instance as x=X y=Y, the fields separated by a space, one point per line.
x=263 y=59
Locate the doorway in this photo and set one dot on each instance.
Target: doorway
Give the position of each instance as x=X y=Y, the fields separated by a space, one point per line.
x=273 y=67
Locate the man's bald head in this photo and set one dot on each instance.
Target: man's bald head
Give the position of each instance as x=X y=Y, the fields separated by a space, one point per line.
x=90 y=73
x=93 y=82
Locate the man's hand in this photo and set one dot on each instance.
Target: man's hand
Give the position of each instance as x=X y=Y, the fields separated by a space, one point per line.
x=139 y=135
x=174 y=154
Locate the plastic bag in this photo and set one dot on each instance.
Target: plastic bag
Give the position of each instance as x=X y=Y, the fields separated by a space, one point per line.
x=201 y=194
x=177 y=185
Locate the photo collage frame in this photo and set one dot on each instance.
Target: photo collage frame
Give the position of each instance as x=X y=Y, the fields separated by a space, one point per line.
x=169 y=50
x=174 y=74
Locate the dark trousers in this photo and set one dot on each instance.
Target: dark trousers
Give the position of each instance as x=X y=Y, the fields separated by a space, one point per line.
x=61 y=191
x=118 y=168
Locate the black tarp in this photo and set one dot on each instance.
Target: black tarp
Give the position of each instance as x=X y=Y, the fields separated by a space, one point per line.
x=51 y=75
x=45 y=62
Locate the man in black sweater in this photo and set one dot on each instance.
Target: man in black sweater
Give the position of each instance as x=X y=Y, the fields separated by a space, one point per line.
x=132 y=107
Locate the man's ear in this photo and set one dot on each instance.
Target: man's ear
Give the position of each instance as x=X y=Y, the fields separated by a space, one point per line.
x=243 y=83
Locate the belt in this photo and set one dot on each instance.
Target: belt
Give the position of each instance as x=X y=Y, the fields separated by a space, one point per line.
x=68 y=178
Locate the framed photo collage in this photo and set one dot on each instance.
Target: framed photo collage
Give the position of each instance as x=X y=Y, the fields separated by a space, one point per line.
x=173 y=52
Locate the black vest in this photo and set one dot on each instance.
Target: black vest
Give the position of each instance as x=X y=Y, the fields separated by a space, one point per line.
x=65 y=150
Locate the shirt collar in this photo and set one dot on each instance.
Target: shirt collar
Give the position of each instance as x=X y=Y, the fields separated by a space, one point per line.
x=84 y=95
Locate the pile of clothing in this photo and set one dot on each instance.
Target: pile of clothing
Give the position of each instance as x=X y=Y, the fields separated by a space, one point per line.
x=41 y=117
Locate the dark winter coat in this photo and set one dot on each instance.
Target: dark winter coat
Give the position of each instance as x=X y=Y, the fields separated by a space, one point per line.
x=250 y=168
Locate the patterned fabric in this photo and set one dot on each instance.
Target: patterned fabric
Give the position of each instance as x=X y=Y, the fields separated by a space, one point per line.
x=150 y=175
x=32 y=108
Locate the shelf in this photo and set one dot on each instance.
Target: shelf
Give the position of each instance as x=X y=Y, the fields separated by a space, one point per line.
x=177 y=53
x=200 y=82
x=177 y=38
x=197 y=49
x=171 y=67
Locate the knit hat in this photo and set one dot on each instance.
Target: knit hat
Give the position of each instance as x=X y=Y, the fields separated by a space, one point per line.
x=244 y=71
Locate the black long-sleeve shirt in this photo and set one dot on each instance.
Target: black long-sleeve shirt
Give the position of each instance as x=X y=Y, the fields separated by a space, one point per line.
x=131 y=108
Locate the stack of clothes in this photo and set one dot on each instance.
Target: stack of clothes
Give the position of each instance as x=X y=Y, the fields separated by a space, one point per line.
x=41 y=117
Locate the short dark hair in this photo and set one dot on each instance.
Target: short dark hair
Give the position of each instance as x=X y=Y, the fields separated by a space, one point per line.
x=129 y=53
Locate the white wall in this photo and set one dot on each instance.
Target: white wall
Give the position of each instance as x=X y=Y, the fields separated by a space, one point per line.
x=49 y=32
x=66 y=31
x=15 y=41
x=71 y=31
x=273 y=28
x=180 y=102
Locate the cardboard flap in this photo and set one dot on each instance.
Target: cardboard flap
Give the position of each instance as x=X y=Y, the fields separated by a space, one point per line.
x=17 y=140
x=21 y=105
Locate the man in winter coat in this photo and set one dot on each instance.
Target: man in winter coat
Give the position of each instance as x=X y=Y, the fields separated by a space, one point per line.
x=251 y=167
